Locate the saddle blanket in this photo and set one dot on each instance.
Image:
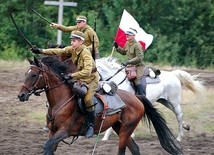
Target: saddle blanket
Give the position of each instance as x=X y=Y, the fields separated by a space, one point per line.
x=115 y=104
x=150 y=80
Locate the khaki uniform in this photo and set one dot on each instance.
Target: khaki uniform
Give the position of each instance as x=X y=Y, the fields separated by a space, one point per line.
x=135 y=55
x=85 y=69
x=88 y=32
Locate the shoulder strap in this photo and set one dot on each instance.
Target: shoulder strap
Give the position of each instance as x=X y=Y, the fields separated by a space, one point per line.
x=78 y=57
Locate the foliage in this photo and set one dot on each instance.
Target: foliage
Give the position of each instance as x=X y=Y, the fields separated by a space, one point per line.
x=183 y=30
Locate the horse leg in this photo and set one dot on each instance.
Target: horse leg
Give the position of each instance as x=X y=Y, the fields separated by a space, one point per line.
x=107 y=134
x=133 y=147
x=174 y=106
x=125 y=139
x=179 y=116
x=51 y=144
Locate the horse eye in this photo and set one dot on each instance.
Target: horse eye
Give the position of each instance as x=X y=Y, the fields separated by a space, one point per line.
x=34 y=75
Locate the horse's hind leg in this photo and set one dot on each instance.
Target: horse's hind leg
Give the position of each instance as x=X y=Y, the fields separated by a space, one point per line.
x=133 y=147
x=179 y=115
x=126 y=140
x=50 y=145
x=130 y=143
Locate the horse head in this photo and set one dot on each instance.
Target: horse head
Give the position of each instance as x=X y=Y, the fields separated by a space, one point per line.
x=36 y=77
x=33 y=80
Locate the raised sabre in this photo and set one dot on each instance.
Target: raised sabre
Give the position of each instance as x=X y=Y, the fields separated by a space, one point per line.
x=20 y=32
x=38 y=14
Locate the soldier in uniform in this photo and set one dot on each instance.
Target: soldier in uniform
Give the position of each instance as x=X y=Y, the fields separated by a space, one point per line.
x=134 y=52
x=86 y=71
x=90 y=34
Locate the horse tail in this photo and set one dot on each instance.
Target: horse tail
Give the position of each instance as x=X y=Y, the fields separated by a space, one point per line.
x=166 y=138
x=190 y=82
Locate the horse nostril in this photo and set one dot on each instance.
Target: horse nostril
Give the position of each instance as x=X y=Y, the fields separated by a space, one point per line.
x=21 y=97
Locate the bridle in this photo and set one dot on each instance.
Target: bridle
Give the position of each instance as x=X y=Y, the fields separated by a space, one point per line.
x=34 y=89
x=119 y=70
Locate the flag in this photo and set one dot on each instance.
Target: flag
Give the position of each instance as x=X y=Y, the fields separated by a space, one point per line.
x=126 y=22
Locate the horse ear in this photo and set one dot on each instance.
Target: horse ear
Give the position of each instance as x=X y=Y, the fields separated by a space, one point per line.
x=37 y=63
x=31 y=62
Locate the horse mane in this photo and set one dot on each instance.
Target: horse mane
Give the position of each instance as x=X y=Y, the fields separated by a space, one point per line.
x=56 y=65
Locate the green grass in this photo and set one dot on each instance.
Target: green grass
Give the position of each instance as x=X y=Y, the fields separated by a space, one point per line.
x=38 y=117
x=12 y=65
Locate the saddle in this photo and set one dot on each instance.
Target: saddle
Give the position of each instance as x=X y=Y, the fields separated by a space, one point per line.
x=105 y=100
x=150 y=76
x=152 y=72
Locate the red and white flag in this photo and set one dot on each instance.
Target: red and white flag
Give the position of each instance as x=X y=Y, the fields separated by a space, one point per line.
x=127 y=21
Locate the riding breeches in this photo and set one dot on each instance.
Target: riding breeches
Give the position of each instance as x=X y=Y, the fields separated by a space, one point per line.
x=92 y=87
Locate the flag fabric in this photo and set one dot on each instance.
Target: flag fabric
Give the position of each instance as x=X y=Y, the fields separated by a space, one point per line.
x=126 y=22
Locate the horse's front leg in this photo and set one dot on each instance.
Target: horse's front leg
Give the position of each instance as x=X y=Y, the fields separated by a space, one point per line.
x=50 y=145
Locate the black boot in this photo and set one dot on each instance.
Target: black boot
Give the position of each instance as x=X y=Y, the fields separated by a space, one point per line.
x=91 y=118
x=141 y=90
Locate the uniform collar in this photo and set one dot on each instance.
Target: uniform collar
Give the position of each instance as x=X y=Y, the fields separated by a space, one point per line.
x=132 y=41
x=78 y=50
x=84 y=28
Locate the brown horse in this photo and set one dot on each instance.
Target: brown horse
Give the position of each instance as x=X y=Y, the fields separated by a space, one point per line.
x=65 y=119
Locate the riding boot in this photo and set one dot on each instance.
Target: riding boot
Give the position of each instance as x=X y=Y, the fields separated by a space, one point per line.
x=141 y=90
x=91 y=118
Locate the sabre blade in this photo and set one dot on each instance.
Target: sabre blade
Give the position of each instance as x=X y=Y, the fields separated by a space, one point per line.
x=38 y=14
x=20 y=32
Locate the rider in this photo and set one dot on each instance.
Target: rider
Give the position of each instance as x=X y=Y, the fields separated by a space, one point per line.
x=134 y=52
x=90 y=34
x=86 y=71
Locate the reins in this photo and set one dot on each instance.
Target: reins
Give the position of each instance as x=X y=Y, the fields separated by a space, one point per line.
x=115 y=73
x=119 y=70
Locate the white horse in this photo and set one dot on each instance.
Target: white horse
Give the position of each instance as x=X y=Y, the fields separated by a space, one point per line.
x=166 y=92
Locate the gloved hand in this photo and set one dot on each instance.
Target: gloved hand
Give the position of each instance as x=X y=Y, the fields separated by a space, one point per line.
x=54 y=25
x=67 y=77
x=125 y=63
x=36 y=50
x=115 y=44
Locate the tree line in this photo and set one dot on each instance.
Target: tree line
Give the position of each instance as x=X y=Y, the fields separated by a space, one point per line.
x=183 y=30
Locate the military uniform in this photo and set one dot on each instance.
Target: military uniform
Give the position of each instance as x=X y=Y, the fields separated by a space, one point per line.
x=88 y=32
x=86 y=72
x=135 y=56
x=86 y=69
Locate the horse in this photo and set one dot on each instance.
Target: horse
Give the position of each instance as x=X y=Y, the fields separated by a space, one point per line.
x=65 y=118
x=166 y=92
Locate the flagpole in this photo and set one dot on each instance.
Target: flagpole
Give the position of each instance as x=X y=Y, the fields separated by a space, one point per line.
x=112 y=52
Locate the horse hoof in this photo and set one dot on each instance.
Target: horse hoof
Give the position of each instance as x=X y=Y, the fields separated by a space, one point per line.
x=186 y=126
x=178 y=139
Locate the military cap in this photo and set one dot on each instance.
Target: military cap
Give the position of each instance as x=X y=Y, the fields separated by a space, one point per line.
x=77 y=35
x=81 y=18
x=131 y=32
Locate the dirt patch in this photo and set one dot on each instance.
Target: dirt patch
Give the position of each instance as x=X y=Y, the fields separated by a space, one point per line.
x=21 y=130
